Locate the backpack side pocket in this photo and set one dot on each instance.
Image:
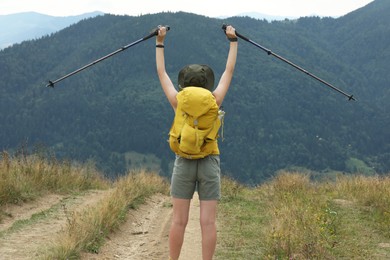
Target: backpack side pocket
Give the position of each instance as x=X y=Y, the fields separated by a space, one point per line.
x=190 y=140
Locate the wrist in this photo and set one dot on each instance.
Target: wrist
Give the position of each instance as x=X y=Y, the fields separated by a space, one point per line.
x=159 y=45
x=233 y=39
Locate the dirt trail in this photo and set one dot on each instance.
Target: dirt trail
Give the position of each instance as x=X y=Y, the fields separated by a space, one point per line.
x=38 y=223
x=25 y=211
x=143 y=236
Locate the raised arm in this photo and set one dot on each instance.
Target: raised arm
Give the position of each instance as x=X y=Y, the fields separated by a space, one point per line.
x=224 y=83
x=166 y=83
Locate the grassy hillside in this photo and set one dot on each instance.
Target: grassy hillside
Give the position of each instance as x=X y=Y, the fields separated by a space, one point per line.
x=288 y=217
x=291 y=217
x=27 y=178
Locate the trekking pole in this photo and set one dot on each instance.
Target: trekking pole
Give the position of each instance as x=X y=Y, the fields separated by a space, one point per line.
x=153 y=33
x=269 y=52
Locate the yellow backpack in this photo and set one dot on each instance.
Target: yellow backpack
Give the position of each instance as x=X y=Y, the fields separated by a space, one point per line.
x=194 y=131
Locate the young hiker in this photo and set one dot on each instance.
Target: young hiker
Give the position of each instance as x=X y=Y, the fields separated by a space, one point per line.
x=199 y=167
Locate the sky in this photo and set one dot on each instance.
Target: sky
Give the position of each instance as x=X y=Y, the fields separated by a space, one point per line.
x=211 y=8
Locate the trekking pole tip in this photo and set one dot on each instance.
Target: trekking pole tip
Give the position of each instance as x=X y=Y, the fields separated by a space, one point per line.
x=50 y=84
x=351 y=98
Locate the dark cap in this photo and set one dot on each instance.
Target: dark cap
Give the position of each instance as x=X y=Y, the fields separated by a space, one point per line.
x=196 y=75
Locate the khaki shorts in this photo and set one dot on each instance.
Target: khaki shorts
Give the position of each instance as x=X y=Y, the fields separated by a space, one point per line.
x=201 y=174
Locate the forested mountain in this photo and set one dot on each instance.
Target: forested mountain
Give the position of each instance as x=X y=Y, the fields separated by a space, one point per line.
x=276 y=116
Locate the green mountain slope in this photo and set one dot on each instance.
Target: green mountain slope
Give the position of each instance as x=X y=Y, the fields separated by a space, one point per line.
x=276 y=116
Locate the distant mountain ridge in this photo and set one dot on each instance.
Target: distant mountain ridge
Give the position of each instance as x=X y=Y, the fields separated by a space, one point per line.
x=15 y=28
x=18 y=27
x=267 y=17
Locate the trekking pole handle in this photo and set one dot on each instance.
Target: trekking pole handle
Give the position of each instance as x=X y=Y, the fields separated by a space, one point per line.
x=155 y=31
x=224 y=26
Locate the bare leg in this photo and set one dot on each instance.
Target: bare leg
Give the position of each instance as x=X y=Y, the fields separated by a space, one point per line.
x=208 y=214
x=181 y=209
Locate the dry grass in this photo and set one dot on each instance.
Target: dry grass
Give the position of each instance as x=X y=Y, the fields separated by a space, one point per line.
x=24 y=178
x=302 y=221
x=87 y=230
x=372 y=194
x=291 y=217
x=240 y=221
